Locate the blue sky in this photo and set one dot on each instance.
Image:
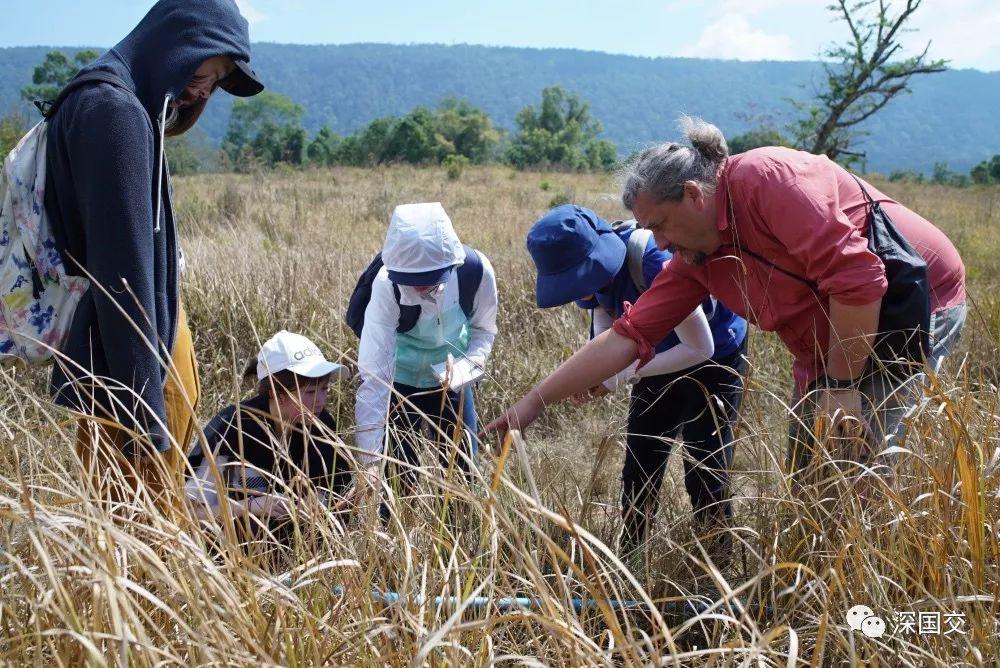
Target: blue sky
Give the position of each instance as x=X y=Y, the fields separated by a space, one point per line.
x=965 y=31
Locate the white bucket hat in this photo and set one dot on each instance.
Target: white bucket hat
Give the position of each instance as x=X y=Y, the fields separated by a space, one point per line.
x=421 y=246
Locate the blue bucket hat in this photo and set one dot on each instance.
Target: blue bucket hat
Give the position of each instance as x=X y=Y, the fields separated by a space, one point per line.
x=575 y=252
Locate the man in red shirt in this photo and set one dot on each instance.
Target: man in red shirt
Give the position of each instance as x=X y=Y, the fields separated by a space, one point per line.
x=748 y=229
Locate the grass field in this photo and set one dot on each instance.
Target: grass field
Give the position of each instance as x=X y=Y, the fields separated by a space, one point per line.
x=282 y=250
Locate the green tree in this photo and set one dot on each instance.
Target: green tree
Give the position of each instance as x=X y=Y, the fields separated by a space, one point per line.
x=54 y=73
x=12 y=128
x=191 y=153
x=412 y=139
x=560 y=133
x=861 y=76
x=268 y=146
x=260 y=123
x=322 y=150
x=906 y=175
x=943 y=175
x=601 y=154
x=464 y=130
x=421 y=137
x=366 y=146
x=183 y=157
x=294 y=139
x=757 y=138
x=986 y=172
x=454 y=165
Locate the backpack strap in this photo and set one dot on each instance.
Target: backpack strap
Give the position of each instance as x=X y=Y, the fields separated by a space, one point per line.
x=864 y=190
x=49 y=107
x=635 y=250
x=760 y=258
x=470 y=275
x=408 y=313
x=873 y=205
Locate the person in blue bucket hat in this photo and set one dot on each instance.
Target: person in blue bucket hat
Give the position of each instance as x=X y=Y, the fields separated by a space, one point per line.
x=691 y=389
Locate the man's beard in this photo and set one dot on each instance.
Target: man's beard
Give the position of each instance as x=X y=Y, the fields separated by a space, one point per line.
x=696 y=258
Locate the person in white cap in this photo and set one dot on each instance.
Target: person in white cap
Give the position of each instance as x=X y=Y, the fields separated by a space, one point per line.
x=266 y=446
x=433 y=301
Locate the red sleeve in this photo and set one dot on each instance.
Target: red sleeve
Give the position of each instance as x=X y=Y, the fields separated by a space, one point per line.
x=667 y=302
x=800 y=205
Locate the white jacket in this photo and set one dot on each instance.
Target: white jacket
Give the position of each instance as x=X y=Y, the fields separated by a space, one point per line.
x=420 y=238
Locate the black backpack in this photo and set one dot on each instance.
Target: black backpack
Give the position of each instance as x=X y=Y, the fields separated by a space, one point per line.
x=470 y=275
x=904 y=320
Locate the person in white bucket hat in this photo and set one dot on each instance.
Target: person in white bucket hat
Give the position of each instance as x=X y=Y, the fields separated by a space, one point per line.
x=425 y=307
x=265 y=447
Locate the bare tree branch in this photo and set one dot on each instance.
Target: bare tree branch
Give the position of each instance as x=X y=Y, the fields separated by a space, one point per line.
x=863 y=76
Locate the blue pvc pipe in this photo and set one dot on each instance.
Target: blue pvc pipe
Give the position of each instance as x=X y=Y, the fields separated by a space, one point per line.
x=525 y=602
x=502 y=603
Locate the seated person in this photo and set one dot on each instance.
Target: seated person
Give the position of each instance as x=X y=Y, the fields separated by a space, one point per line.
x=271 y=449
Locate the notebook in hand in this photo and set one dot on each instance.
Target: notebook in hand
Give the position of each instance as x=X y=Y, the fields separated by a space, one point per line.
x=456 y=374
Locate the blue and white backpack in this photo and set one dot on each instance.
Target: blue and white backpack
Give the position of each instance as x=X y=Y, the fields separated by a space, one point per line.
x=37 y=297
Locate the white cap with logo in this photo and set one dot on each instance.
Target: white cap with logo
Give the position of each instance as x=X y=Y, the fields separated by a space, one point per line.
x=286 y=351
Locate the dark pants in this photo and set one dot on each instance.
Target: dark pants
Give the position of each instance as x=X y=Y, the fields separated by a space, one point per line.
x=420 y=415
x=700 y=405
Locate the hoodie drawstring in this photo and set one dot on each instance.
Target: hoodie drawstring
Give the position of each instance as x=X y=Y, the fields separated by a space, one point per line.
x=162 y=122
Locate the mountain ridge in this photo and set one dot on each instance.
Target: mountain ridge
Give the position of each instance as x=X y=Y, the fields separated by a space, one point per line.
x=949 y=117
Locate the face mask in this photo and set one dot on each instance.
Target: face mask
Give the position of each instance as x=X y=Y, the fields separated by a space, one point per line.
x=432 y=294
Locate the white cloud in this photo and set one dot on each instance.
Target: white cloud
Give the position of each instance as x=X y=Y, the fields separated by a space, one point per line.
x=249 y=12
x=962 y=31
x=732 y=37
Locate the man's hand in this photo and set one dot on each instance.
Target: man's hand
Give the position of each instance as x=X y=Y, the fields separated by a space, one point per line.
x=840 y=404
x=271 y=506
x=346 y=501
x=519 y=416
x=365 y=487
x=840 y=416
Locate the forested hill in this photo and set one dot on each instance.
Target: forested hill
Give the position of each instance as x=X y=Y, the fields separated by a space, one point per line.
x=950 y=117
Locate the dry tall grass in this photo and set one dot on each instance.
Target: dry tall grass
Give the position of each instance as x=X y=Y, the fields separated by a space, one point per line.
x=282 y=251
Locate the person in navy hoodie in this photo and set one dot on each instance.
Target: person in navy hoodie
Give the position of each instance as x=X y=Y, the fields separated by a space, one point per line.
x=127 y=360
x=690 y=390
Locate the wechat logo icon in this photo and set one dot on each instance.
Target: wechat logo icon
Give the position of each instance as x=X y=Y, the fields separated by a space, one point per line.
x=862 y=618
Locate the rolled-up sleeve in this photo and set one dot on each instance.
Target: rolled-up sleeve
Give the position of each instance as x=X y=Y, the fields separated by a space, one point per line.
x=667 y=302
x=803 y=211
